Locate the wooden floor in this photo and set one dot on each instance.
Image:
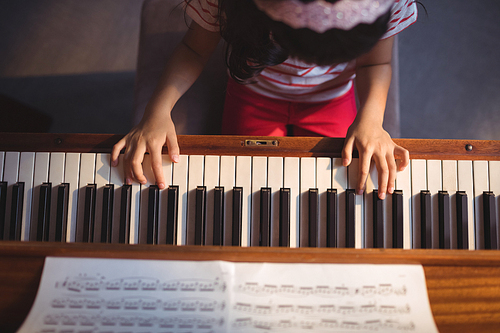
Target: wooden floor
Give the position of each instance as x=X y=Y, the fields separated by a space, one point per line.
x=463 y=286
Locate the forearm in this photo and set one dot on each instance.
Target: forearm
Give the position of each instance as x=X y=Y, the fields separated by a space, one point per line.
x=372 y=84
x=181 y=70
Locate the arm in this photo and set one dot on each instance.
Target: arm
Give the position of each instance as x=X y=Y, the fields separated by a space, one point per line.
x=156 y=127
x=373 y=77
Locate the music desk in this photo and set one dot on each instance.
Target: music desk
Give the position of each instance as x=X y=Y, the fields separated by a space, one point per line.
x=463 y=286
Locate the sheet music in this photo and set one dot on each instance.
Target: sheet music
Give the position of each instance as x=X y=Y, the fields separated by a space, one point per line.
x=81 y=295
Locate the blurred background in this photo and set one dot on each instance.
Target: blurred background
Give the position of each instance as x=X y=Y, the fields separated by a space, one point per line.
x=70 y=66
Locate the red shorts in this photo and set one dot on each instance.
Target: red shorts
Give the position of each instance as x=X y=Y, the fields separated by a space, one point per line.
x=249 y=113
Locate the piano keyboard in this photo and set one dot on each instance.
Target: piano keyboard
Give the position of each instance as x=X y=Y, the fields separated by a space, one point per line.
x=267 y=192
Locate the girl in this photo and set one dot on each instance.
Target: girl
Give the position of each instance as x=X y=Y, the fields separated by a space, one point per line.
x=292 y=65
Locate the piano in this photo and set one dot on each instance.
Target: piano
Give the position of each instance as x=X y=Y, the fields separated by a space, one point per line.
x=256 y=199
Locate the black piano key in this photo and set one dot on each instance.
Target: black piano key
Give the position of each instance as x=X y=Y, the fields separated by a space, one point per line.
x=3 y=207
x=200 y=214
x=462 y=225
x=265 y=216
x=121 y=227
x=147 y=232
x=425 y=220
x=218 y=215
x=16 y=217
x=331 y=217
x=43 y=221
x=284 y=222
x=397 y=219
x=108 y=195
x=490 y=227
x=58 y=230
x=313 y=217
x=170 y=230
x=85 y=229
x=444 y=220
x=350 y=217
x=378 y=221
x=237 y=216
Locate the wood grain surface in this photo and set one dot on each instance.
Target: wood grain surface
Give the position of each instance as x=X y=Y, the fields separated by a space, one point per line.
x=463 y=286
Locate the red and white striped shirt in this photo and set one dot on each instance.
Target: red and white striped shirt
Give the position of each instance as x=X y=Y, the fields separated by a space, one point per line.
x=294 y=80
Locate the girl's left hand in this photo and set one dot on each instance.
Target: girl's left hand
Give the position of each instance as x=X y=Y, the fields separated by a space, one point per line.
x=374 y=143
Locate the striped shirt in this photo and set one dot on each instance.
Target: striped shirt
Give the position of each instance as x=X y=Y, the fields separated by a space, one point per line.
x=294 y=80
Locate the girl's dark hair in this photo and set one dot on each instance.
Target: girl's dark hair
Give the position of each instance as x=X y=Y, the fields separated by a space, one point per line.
x=254 y=41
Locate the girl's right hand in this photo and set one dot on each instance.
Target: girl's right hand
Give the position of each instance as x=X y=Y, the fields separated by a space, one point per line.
x=148 y=136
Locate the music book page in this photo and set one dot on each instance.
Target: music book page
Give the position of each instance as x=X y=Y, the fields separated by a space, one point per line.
x=83 y=295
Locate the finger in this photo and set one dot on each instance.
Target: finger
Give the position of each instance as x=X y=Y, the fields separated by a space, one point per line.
x=391 y=163
x=173 y=146
x=347 y=152
x=383 y=176
x=404 y=156
x=157 y=166
x=136 y=165
x=115 y=153
x=364 y=170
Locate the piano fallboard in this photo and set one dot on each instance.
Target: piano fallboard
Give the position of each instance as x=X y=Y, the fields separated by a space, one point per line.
x=462 y=285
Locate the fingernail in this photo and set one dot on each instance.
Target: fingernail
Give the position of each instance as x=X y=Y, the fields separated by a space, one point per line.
x=114 y=163
x=345 y=162
x=161 y=186
x=382 y=195
x=175 y=158
x=360 y=192
x=143 y=182
x=391 y=190
x=128 y=181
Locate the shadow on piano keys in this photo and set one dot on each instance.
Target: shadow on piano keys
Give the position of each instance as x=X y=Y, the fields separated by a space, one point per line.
x=251 y=192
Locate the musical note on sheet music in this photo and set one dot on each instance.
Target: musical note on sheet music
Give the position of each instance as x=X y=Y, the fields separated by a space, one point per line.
x=148 y=296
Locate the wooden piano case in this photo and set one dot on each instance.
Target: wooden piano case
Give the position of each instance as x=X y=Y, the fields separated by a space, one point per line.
x=463 y=286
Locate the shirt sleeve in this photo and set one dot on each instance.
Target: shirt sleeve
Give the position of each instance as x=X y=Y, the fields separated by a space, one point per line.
x=403 y=14
x=204 y=12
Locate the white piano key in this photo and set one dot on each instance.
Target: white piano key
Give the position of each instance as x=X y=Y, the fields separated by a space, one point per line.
x=259 y=180
x=481 y=184
x=26 y=173
x=87 y=172
x=403 y=183
x=56 y=177
x=292 y=181
x=323 y=183
x=307 y=181
x=211 y=180
x=244 y=180
x=72 y=177
x=167 y=173
x=101 y=178
x=340 y=183
x=117 y=178
x=228 y=181
x=465 y=183
x=353 y=174
x=275 y=182
x=135 y=213
x=450 y=184
x=11 y=176
x=196 y=165
x=369 y=228
x=494 y=168
x=41 y=175
x=434 y=185
x=388 y=222
x=418 y=183
x=180 y=178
